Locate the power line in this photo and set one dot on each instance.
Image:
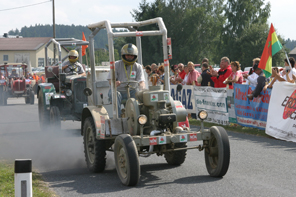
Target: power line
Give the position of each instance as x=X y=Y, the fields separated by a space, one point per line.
x=24 y=6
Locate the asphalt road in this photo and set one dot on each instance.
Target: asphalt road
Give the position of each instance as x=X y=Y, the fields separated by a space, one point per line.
x=258 y=166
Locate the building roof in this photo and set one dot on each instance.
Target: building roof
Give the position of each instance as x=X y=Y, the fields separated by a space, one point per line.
x=293 y=52
x=22 y=44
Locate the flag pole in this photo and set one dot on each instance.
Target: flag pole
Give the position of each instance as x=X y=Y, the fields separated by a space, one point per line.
x=86 y=57
x=288 y=60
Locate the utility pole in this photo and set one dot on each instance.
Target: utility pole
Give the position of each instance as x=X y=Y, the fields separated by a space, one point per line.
x=54 y=32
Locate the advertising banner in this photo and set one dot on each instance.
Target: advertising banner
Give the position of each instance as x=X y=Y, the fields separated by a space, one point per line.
x=230 y=106
x=214 y=101
x=185 y=96
x=251 y=113
x=281 y=122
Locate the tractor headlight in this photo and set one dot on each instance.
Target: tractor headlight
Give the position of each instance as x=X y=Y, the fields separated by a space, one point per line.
x=202 y=115
x=68 y=92
x=142 y=119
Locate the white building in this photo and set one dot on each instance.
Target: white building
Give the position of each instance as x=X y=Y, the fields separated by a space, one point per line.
x=27 y=50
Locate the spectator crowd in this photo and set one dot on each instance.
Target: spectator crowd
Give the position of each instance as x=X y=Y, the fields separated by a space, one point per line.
x=228 y=74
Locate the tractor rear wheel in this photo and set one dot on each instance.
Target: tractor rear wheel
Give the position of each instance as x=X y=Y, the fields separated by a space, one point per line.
x=4 y=98
x=1 y=95
x=43 y=113
x=94 y=149
x=217 y=154
x=176 y=157
x=54 y=118
x=127 y=160
x=32 y=97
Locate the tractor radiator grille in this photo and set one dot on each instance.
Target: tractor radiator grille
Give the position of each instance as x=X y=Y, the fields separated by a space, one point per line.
x=79 y=86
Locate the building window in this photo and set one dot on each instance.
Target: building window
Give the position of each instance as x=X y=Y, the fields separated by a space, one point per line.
x=5 y=57
x=40 y=62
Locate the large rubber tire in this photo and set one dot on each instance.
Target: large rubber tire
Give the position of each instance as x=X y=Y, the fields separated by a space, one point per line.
x=1 y=95
x=176 y=157
x=4 y=98
x=54 y=118
x=126 y=160
x=94 y=149
x=27 y=99
x=32 y=97
x=43 y=113
x=217 y=155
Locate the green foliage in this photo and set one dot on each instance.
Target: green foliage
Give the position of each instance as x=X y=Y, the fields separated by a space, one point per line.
x=198 y=28
x=245 y=31
x=290 y=44
x=40 y=189
x=62 y=31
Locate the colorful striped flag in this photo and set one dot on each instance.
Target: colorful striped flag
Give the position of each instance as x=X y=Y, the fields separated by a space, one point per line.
x=272 y=46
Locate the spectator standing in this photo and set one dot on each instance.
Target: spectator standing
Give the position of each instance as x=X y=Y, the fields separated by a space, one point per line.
x=272 y=78
x=204 y=79
x=148 y=71
x=181 y=71
x=252 y=79
x=175 y=77
x=224 y=72
x=161 y=74
x=193 y=74
x=184 y=82
x=205 y=60
x=288 y=76
x=236 y=75
x=259 y=82
x=154 y=68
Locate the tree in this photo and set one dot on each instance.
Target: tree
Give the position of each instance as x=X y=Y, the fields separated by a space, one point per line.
x=245 y=30
x=192 y=25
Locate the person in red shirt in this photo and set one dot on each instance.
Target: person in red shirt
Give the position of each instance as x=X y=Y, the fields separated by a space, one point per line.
x=224 y=72
x=181 y=71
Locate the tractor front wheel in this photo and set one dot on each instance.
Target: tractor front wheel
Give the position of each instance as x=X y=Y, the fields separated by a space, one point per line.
x=217 y=154
x=43 y=112
x=55 y=118
x=127 y=160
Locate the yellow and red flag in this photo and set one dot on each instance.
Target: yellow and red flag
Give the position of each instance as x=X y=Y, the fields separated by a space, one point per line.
x=84 y=46
x=272 y=46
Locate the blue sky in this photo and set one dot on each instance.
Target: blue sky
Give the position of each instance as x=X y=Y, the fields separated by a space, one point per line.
x=85 y=12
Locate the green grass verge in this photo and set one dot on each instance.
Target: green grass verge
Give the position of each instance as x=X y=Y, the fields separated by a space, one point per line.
x=40 y=188
x=233 y=127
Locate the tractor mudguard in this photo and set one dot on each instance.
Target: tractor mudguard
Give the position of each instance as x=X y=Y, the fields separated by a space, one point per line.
x=47 y=90
x=99 y=115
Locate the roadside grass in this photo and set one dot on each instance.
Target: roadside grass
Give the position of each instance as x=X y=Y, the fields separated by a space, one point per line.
x=233 y=127
x=40 y=188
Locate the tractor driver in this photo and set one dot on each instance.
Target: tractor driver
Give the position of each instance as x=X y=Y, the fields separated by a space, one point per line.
x=13 y=73
x=73 y=66
x=127 y=69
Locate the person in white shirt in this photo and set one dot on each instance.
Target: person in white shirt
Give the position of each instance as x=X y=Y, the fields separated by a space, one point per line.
x=252 y=79
x=289 y=73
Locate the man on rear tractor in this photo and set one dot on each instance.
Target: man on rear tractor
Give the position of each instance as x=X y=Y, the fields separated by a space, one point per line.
x=127 y=69
x=73 y=66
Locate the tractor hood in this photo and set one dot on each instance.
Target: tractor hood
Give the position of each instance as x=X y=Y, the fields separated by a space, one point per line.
x=71 y=78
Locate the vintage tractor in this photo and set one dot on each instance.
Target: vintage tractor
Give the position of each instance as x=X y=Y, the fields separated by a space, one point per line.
x=13 y=83
x=61 y=97
x=149 y=124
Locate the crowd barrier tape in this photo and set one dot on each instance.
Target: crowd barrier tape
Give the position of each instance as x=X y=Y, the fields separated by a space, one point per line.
x=281 y=115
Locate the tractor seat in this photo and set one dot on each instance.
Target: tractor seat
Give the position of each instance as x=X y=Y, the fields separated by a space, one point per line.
x=51 y=76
